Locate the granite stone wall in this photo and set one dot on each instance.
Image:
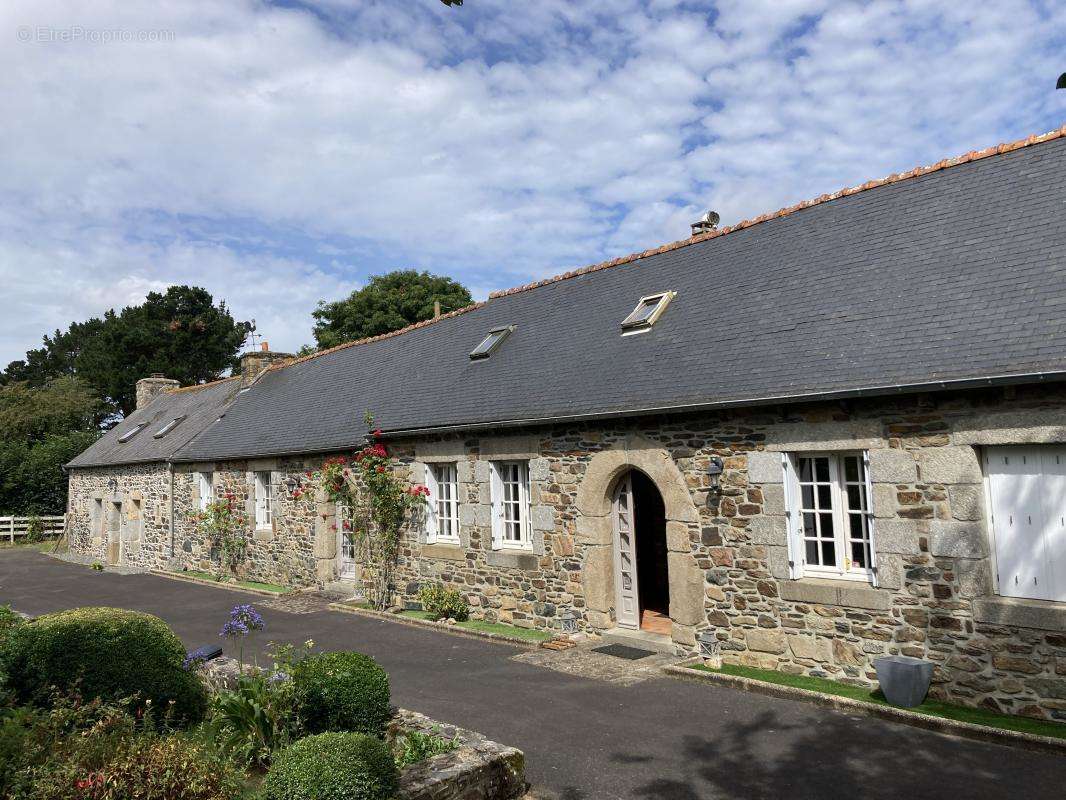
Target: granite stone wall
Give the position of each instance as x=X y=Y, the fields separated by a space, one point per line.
x=727 y=554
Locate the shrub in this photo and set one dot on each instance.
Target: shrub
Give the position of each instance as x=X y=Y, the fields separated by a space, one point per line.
x=254 y=719
x=444 y=603
x=332 y=766
x=414 y=746
x=341 y=692
x=105 y=653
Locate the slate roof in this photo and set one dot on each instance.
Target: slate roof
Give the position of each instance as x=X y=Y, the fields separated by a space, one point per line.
x=201 y=405
x=940 y=275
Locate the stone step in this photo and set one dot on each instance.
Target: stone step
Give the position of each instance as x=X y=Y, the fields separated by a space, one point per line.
x=656 y=642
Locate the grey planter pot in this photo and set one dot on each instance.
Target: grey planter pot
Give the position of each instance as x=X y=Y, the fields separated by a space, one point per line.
x=904 y=680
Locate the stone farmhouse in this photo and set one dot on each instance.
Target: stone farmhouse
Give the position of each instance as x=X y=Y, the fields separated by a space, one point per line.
x=824 y=434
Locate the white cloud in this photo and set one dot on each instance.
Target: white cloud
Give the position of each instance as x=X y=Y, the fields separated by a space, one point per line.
x=278 y=156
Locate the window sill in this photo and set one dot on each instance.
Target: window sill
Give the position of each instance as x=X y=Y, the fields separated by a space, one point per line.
x=512 y=559
x=836 y=592
x=1044 y=615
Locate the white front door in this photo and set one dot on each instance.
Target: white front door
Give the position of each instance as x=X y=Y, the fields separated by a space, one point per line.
x=1027 y=488
x=347 y=566
x=627 y=599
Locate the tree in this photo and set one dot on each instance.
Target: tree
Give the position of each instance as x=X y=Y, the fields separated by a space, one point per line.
x=180 y=333
x=387 y=303
x=41 y=429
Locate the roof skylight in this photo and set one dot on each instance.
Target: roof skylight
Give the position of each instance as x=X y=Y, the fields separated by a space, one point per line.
x=648 y=310
x=159 y=434
x=132 y=432
x=491 y=343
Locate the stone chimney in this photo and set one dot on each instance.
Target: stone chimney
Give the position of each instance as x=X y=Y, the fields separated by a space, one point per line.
x=148 y=389
x=255 y=361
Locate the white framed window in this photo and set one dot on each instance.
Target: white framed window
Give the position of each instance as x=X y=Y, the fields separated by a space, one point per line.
x=140 y=426
x=264 y=500
x=647 y=312
x=830 y=516
x=510 y=505
x=1026 y=491
x=159 y=434
x=205 y=486
x=491 y=342
x=442 y=512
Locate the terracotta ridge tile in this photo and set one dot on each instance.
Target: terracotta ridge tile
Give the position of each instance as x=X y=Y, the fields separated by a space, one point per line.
x=897 y=177
x=198 y=386
x=414 y=326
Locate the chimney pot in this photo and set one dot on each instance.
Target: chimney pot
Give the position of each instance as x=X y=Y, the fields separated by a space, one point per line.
x=254 y=362
x=705 y=224
x=265 y=347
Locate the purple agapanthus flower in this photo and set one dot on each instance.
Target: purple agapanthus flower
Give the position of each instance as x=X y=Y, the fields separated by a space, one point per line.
x=243 y=619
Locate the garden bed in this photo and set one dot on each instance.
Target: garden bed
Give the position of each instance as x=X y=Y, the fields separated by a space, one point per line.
x=509 y=634
x=971 y=723
x=195 y=576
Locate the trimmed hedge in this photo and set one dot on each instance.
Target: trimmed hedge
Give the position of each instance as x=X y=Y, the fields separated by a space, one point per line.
x=444 y=603
x=332 y=766
x=107 y=653
x=342 y=692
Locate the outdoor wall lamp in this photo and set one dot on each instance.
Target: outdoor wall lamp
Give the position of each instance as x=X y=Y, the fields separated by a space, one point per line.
x=714 y=472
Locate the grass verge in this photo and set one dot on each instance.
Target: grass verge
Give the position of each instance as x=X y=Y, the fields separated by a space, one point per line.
x=43 y=546
x=932 y=708
x=479 y=625
x=208 y=576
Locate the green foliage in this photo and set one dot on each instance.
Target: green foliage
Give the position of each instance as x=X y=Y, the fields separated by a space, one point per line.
x=30 y=414
x=98 y=751
x=414 y=746
x=106 y=653
x=180 y=333
x=342 y=692
x=333 y=766
x=378 y=502
x=442 y=603
x=387 y=303
x=223 y=525
x=252 y=720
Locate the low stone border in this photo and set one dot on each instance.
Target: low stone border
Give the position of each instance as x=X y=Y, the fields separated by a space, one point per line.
x=479 y=769
x=514 y=641
x=232 y=587
x=966 y=730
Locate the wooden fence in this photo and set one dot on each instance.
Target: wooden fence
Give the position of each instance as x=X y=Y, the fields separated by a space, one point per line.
x=10 y=527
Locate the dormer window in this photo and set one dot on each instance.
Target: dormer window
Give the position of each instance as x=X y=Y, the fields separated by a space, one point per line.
x=648 y=310
x=492 y=342
x=159 y=434
x=132 y=432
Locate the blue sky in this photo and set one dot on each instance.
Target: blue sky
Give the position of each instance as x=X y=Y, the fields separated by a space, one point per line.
x=281 y=153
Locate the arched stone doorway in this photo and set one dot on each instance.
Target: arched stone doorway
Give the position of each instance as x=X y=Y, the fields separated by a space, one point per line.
x=642 y=578
x=595 y=531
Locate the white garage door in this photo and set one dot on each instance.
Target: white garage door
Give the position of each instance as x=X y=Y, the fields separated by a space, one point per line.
x=1028 y=493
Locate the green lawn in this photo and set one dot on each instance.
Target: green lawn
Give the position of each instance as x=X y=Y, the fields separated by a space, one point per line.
x=932 y=708
x=480 y=625
x=208 y=576
x=44 y=546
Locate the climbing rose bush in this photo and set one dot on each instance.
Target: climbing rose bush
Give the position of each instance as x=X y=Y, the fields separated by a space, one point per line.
x=378 y=503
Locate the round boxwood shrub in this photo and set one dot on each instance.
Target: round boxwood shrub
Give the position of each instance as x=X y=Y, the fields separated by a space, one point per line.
x=341 y=692
x=332 y=766
x=107 y=653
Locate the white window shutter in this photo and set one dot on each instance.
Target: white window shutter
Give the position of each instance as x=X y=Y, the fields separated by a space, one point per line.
x=523 y=475
x=874 y=577
x=496 y=497
x=793 y=522
x=430 y=509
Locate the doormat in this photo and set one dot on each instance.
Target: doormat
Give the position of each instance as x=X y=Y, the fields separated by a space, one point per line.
x=623 y=651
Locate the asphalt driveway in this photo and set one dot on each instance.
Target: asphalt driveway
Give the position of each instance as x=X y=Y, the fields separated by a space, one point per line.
x=587 y=739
